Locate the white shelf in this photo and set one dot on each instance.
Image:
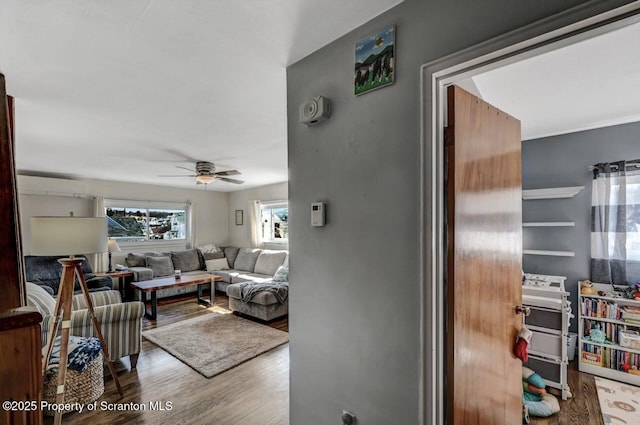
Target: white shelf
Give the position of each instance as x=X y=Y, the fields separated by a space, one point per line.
x=545 y=358
x=550 y=253
x=611 y=346
x=551 y=193
x=556 y=332
x=549 y=224
x=603 y=370
x=614 y=321
x=616 y=300
x=610 y=373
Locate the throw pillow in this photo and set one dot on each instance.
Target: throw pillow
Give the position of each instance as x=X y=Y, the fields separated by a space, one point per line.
x=213 y=255
x=135 y=260
x=208 y=248
x=231 y=252
x=139 y=259
x=246 y=260
x=160 y=266
x=269 y=261
x=282 y=274
x=39 y=298
x=187 y=260
x=217 y=264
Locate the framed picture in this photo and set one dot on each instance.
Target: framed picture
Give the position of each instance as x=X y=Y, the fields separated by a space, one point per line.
x=375 y=61
x=239 y=217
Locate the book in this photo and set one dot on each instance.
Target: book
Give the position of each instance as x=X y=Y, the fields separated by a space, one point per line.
x=592 y=358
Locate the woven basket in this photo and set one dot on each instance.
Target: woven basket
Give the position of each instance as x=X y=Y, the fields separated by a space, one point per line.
x=80 y=387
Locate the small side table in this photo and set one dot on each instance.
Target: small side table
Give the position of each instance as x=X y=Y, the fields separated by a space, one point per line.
x=124 y=278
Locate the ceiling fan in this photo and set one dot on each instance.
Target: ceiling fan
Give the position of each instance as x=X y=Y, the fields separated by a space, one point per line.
x=205 y=173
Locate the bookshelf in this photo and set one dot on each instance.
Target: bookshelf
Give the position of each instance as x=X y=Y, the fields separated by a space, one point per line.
x=611 y=315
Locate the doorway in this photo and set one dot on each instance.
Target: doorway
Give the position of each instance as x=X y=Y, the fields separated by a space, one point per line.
x=530 y=41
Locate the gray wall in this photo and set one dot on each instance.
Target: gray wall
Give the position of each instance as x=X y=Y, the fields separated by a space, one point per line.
x=354 y=310
x=562 y=161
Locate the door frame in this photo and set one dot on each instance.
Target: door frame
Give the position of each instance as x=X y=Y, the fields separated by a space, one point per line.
x=569 y=27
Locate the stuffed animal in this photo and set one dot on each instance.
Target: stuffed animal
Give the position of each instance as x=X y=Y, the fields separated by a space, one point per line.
x=597 y=336
x=586 y=288
x=530 y=377
x=534 y=397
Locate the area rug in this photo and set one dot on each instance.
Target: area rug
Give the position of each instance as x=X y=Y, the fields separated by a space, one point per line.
x=216 y=342
x=619 y=402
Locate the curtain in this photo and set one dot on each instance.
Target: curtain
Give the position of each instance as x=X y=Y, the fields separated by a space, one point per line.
x=99 y=261
x=255 y=224
x=615 y=223
x=191 y=226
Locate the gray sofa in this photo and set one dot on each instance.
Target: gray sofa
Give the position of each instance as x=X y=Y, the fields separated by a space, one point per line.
x=244 y=265
x=254 y=265
x=152 y=265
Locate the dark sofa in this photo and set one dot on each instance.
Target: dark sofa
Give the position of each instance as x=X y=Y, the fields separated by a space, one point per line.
x=45 y=270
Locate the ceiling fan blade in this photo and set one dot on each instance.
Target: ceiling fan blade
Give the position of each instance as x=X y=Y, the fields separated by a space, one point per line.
x=183 y=156
x=185 y=168
x=224 y=179
x=227 y=173
x=177 y=175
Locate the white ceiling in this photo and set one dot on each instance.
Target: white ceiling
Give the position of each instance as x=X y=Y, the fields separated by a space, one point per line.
x=590 y=84
x=126 y=90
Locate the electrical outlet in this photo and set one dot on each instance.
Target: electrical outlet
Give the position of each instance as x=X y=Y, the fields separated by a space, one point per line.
x=348 y=418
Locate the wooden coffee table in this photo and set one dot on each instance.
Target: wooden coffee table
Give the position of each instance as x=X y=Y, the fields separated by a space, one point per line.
x=154 y=285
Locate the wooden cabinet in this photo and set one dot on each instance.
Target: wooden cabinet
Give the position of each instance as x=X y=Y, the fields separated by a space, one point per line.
x=21 y=369
x=610 y=315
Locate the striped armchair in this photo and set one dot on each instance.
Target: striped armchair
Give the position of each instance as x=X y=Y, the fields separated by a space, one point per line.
x=121 y=323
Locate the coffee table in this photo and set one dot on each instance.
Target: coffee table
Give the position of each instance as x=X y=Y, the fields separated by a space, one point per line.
x=154 y=285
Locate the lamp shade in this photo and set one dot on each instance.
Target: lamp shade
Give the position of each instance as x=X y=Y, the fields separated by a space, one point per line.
x=205 y=178
x=68 y=235
x=112 y=246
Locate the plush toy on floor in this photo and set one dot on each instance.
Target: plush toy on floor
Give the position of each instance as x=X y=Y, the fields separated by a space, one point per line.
x=535 y=397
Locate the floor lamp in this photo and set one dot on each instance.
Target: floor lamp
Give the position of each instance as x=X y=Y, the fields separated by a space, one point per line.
x=66 y=236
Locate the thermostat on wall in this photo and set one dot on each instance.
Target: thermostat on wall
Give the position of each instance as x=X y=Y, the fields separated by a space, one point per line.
x=317 y=214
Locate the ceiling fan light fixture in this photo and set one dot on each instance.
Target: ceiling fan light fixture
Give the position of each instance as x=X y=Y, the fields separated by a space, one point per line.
x=205 y=179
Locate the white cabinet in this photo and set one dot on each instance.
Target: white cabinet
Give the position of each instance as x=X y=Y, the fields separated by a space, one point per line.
x=611 y=315
x=549 y=322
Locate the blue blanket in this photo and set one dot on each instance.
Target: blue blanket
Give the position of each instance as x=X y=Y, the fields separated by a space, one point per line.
x=248 y=290
x=82 y=350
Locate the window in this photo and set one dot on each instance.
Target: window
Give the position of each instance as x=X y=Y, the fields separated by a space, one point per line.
x=275 y=222
x=136 y=224
x=633 y=218
x=615 y=227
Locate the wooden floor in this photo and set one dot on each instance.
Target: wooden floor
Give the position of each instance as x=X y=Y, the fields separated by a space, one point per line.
x=253 y=393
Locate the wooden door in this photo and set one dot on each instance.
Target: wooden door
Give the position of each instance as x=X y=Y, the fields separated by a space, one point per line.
x=11 y=270
x=20 y=334
x=484 y=262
